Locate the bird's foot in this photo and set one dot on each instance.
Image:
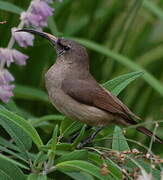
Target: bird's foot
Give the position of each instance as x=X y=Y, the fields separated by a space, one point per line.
x=74 y=136
x=89 y=139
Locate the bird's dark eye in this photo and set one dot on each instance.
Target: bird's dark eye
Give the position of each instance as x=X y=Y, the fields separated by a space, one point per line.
x=66 y=48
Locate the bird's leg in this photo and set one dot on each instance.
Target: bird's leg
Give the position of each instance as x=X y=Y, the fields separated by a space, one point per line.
x=71 y=140
x=90 y=138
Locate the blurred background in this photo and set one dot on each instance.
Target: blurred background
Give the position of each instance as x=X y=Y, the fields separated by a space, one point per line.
x=131 y=28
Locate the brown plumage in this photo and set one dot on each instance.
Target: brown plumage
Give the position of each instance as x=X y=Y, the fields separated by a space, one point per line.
x=83 y=92
x=75 y=93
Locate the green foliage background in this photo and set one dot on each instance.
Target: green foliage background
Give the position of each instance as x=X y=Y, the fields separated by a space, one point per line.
x=121 y=37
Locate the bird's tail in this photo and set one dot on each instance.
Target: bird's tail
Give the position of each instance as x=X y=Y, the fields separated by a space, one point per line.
x=149 y=133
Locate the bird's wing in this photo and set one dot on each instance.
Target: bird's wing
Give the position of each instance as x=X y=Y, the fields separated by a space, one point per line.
x=91 y=93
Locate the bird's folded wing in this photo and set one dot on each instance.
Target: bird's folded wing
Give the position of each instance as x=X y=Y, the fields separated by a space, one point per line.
x=91 y=93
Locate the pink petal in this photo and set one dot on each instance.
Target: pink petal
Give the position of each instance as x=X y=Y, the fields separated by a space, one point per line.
x=19 y=57
x=6 y=92
x=24 y=39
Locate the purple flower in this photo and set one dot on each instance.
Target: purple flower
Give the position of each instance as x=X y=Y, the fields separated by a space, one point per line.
x=38 y=15
x=6 y=92
x=6 y=55
x=30 y=19
x=5 y=77
x=19 y=57
x=42 y=8
x=11 y=55
x=24 y=39
x=5 y=87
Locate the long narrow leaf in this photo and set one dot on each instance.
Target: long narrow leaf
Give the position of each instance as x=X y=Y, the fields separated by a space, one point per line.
x=8 y=144
x=154 y=8
x=3 y=149
x=30 y=93
x=79 y=175
x=22 y=123
x=116 y=85
x=10 y=161
x=7 y=6
x=16 y=133
x=119 y=142
x=83 y=166
x=22 y=140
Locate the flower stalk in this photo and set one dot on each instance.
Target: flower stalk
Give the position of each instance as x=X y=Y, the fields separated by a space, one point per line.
x=36 y=17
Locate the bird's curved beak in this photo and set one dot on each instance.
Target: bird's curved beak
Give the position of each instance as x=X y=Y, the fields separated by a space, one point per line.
x=48 y=36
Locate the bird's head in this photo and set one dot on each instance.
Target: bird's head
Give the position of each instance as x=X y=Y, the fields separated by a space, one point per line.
x=69 y=49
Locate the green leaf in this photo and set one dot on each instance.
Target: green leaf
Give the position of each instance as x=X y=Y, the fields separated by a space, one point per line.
x=149 y=78
x=12 y=106
x=40 y=158
x=5 y=176
x=132 y=163
x=4 y=149
x=82 y=166
x=16 y=133
x=10 y=167
x=113 y=168
x=20 y=137
x=8 y=144
x=147 y=167
x=54 y=141
x=7 y=6
x=119 y=141
x=38 y=121
x=74 y=155
x=22 y=123
x=154 y=8
x=30 y=93
x=69 y=126
x=79 y=175
x=64 y=124
x=64 y=147
x=117 y=84
x=79 y=138
x=37 y=177
x=151 y=56
x=52 y=26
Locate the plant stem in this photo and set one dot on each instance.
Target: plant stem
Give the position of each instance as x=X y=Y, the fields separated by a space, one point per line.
x=12 y=40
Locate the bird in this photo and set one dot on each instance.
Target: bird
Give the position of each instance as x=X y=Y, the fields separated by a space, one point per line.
x=75 y=93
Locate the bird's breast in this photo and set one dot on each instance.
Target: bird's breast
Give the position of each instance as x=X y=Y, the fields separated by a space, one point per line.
x=69 y=106
x=77 y=111
x=55 y=75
